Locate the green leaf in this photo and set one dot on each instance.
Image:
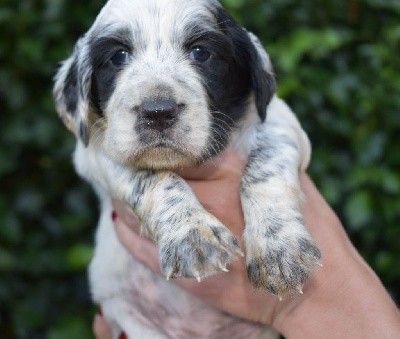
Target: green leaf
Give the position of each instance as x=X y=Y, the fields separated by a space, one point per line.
x=305 y=41
x=72 y=327
x=79 y=256
x=359 y=210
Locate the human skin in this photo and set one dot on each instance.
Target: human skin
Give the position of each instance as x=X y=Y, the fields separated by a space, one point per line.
x=342 y=299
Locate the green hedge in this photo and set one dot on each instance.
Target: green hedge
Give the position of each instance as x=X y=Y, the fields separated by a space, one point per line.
x=337 y=65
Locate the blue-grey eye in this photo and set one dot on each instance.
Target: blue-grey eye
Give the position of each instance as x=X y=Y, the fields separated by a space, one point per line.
x=200 y=54
x=120 y=58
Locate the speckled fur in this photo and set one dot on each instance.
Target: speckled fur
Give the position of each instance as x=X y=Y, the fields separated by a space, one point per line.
x=124 y=159
x=281 y=254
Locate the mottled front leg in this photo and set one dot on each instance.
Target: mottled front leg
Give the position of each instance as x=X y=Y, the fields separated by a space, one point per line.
x=191 y=241
x=280 y=253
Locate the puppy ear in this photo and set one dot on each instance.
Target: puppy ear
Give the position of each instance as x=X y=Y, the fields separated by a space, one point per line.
x=250 y=54
x=262 y=75
x=71 y=92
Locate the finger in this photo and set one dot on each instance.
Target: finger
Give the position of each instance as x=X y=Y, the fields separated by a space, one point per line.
x=101 y=329
x=142 y=249
x=127 y=215
x=228 y=162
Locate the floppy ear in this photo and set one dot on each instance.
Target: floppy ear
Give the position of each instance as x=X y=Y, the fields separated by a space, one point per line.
x=250 y=53
x=71 y=92
x=262 y=74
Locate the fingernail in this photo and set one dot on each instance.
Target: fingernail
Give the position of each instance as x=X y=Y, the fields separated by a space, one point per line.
x=122 y=336
x=114 y=215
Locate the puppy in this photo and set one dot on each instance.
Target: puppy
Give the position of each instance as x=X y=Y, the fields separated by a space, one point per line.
x=156 y=85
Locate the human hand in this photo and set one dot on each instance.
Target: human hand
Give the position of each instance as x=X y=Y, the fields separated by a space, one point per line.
x=216 y=185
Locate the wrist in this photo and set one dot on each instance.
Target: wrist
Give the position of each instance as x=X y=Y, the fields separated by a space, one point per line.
x=345 y=297
x=297 y=317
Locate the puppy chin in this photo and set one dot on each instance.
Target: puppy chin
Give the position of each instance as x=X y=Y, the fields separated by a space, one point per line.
x=162 y=158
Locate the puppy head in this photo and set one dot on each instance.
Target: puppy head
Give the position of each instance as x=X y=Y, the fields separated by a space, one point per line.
x=163 y=84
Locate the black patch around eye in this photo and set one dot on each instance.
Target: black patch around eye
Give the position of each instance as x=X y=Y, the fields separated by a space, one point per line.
x=228 y=83
x=108 y=55
x=227 y=76
x=103 y=85
x=214 y=41
x=103 y=51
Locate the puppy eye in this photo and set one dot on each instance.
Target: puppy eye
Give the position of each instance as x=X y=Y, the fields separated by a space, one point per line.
x=200 y=54
x=120 y=58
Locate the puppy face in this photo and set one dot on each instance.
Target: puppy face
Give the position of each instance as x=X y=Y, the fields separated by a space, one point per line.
x=162 y=84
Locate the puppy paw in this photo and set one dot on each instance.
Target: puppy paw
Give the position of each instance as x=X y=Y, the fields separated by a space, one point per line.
x=203 y=249
x=282 y=265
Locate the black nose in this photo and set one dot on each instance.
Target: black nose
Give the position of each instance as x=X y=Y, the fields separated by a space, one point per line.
x=159 y=114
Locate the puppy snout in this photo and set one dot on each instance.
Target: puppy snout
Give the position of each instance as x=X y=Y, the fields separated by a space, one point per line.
x=159 y=114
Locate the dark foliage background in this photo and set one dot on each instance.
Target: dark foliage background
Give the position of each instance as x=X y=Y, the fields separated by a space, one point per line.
x=338 y=66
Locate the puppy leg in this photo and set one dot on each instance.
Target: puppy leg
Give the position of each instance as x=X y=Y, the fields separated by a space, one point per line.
x=191 y=241
x=280 y=252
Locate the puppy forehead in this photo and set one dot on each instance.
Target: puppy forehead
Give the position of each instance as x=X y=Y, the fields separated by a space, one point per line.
x=157 y=17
